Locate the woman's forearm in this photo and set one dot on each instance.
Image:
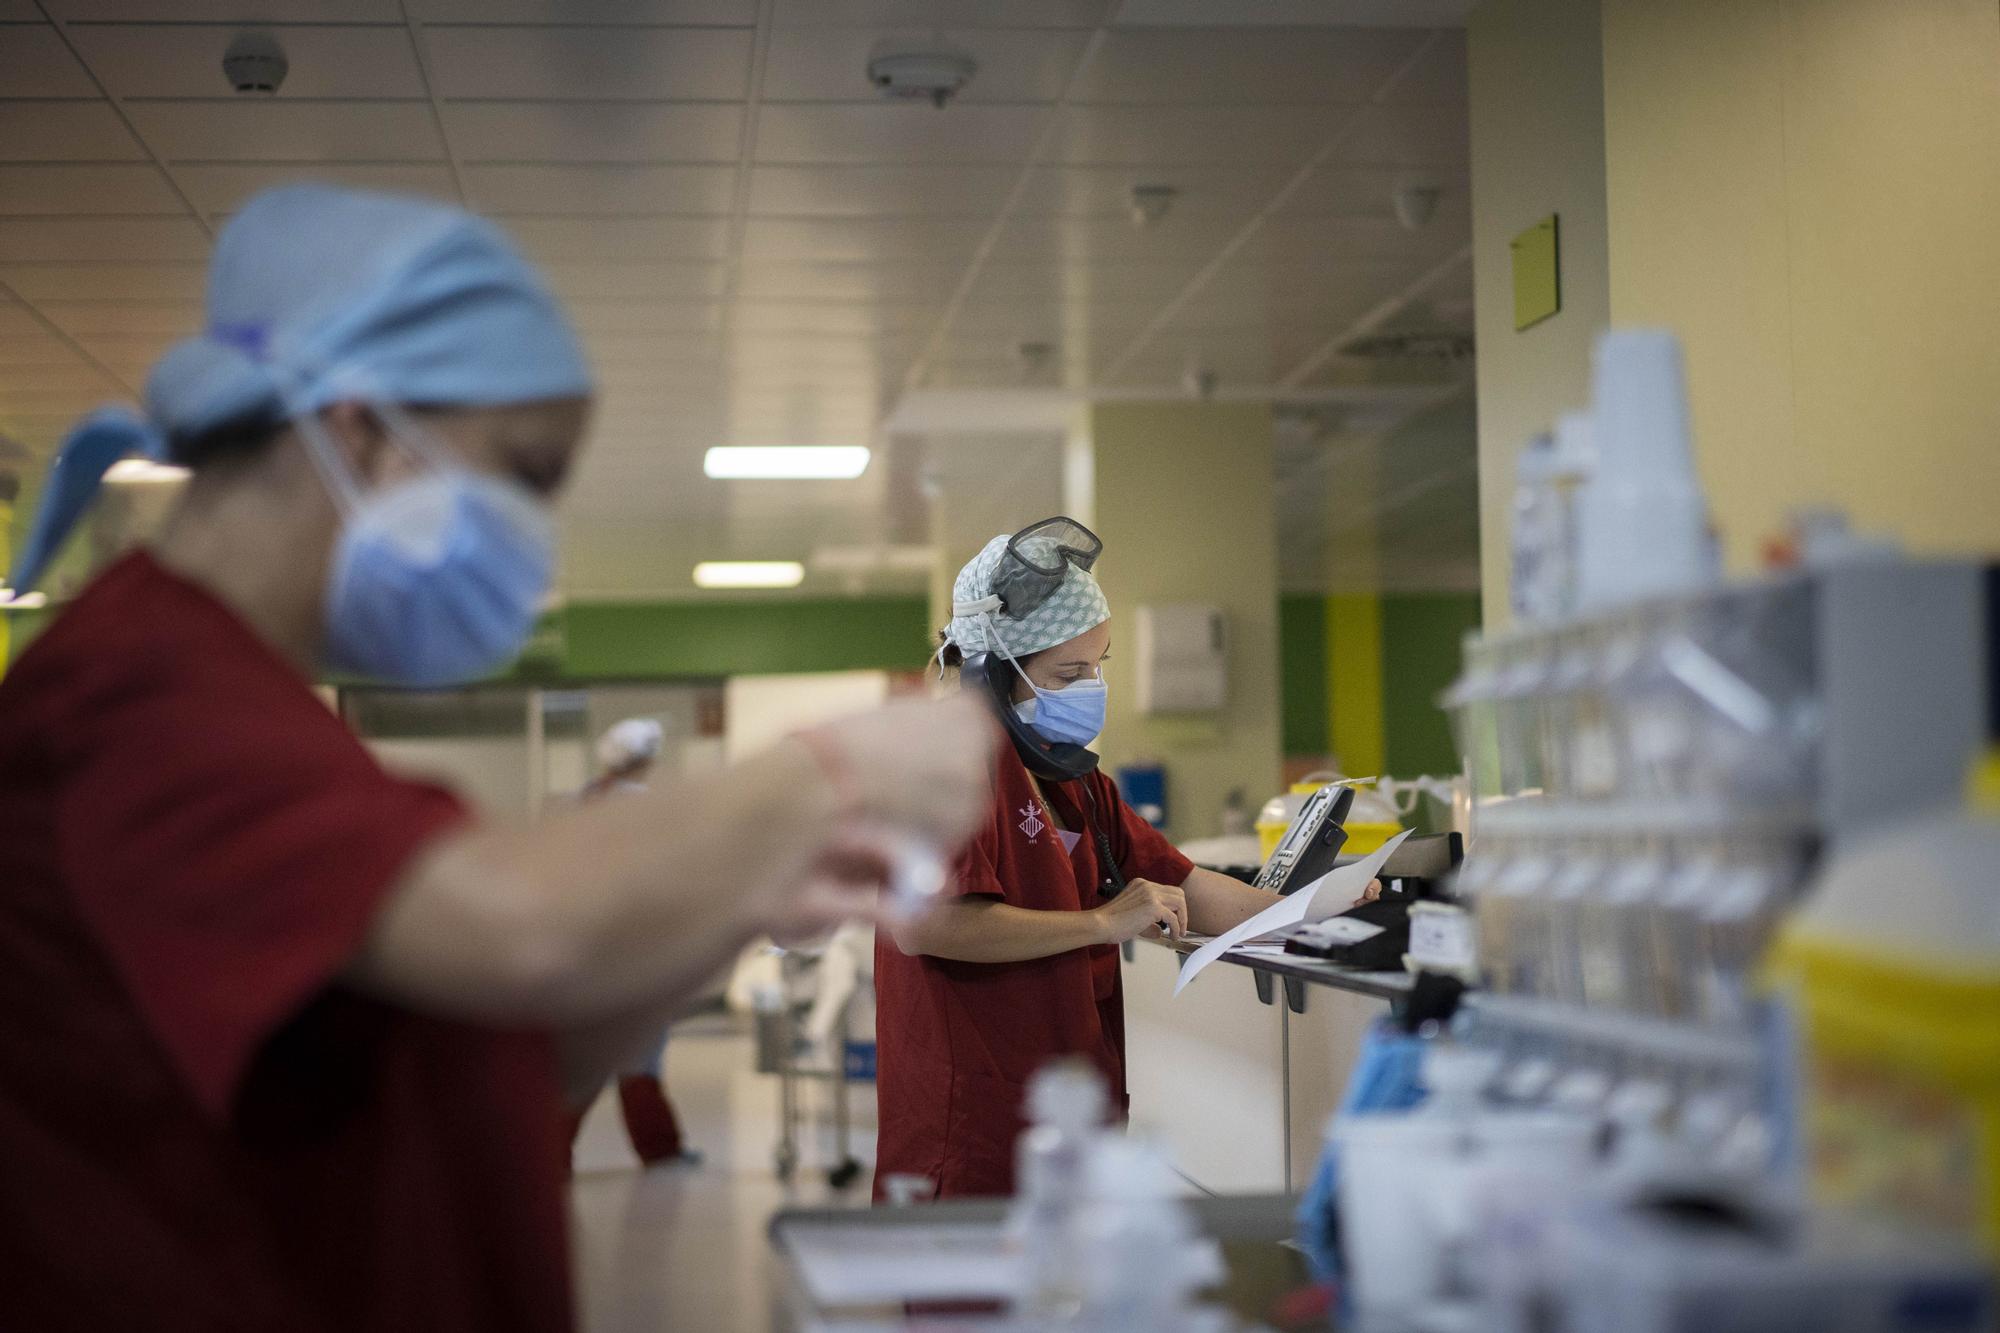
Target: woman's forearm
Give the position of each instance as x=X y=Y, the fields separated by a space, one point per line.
x=604 y=908
x=975 y=930
x=1218 y=902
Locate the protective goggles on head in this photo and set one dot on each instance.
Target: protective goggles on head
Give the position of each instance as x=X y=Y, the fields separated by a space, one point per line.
x=1036 y=560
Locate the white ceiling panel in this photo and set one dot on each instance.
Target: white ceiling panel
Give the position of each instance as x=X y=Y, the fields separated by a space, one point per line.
x=1368 y=192
x=844 y=320
x=831 y=64
x=593 y=132
x=178 y=60
x=739 y=13
x=1220 y=134
x=105 y=282
x=863 y=240
x=854 y=191
x=19 y=11
x=65 y=240
x=64 y=132
x=278 y=131
x=1425 y=135
x=1236 y=66
x=605 y=317
x=601 y=188
x=1107 y=191
x=1114 y=239
x=963 y=13
x=1294 y=13
x=22 y=350
x=35 y=63
x=17 y=321
x=222 y=187
x=887 y=133
x=126 y=348
x=1440 y=77
x=580 y=281
x=95 y=188
x=549 y=239
x=847 y=282
x=229 y=11
x=651 y=64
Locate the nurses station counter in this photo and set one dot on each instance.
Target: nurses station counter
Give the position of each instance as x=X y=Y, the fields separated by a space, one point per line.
x=1738 y=1002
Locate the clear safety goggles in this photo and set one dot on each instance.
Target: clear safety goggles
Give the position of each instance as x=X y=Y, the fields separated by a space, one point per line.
x=1036 y=560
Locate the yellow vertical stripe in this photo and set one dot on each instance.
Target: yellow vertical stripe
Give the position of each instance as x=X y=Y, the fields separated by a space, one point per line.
x=1354 y=673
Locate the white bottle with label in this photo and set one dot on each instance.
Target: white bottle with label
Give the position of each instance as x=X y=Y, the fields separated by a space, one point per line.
x=1066 y=1105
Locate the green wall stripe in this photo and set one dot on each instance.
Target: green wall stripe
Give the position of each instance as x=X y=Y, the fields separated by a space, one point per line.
x=1422 y=637
x=1302 y=674
x=616 y=640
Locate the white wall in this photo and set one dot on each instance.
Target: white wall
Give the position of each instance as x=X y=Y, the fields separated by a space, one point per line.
x=489 y=771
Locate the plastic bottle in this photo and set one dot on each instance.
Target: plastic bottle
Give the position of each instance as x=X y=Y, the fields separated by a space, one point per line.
x=1642 y=520
x=1142 y=1258
x=1066 y=1103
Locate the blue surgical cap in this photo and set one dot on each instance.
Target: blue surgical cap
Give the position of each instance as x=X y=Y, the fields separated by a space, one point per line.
x=318 y=294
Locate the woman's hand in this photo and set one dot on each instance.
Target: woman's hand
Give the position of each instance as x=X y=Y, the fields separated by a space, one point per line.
x=1145 y=908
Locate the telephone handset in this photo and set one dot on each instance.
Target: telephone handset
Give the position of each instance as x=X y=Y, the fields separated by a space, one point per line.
x=1311 y=844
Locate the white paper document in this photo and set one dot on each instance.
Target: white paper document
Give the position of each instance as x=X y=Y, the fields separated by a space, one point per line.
x=1329 y=895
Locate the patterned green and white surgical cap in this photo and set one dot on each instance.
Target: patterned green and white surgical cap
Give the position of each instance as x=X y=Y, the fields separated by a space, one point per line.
x=1077 y=607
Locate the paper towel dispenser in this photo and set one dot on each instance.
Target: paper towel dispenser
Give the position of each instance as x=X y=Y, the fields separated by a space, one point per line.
x=1183 y=651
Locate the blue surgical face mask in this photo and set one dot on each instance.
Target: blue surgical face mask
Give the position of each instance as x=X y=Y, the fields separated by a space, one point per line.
x=435 y=580
x=1073 y=714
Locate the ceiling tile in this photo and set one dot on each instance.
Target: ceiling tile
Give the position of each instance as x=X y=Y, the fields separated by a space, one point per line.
x=1416 y=135
x=650 y=349
x=898 y=134
x=179 y=60
x=105 y=282
x=614 y=316
x=64 y=132
x=1368 y=192
x=35 y=63
x=671 y=64
x=1294 y=13
x=97 y=188
x=853 y=191
x=36 y=348
x=831 y=64
x=848 y=282
x=289 y=131
x=863 y=240
x=222 y=187
x=117 y=240
x=859 y=319
x=602 y=188
x=17 y=321
x=739 y=13
x=169 y=317
x=971 y=13
x=230 y=11
x=1083 y=240
x=126 y=348
x=555 y=239
x=1107 y=191
x=1244 y=65
x=597 y=281
x=1220 y=134
x=593 y=132
x=1441 y=76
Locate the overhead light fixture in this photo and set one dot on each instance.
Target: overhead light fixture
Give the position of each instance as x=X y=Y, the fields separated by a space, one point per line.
x=807 y=462
x=144 y=471
x=749 y=574
x=21 y=601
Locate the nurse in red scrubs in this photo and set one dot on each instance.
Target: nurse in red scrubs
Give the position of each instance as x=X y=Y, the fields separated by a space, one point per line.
x=1022 y=966
x=287 y=1038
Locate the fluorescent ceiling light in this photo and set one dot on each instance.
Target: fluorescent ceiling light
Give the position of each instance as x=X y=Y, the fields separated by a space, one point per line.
x=143 y=471
x=749 y=574
x=21 y=601
x=810 y=462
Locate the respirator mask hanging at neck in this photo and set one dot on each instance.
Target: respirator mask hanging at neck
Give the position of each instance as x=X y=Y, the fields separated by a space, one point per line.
x=434 y=580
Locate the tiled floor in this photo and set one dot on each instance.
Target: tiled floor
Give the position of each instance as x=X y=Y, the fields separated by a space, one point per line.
x=683 y=1248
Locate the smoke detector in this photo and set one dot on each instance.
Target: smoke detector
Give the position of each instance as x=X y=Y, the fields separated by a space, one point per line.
x=255 y=64
x=933 y=74
x=1415 y=204
x=1150 y=203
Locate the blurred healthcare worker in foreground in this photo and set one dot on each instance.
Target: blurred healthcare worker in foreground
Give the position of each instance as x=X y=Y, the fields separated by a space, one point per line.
x=287 y=1038
x=626 y=754
x=1022 y=967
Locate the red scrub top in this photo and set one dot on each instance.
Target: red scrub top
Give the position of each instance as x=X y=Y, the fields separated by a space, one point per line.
x=957 y=1042
x=201 y=1127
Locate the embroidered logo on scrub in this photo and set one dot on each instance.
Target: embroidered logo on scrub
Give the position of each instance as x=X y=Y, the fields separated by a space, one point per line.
x=1032 y=825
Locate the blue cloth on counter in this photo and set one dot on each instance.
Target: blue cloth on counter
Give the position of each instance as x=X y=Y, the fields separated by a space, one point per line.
x=1387 y=1079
